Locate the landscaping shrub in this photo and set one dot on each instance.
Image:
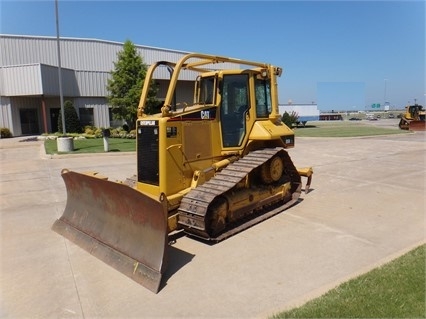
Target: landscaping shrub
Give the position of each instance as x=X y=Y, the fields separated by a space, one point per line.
x=98 y=131
x=89 y=130
x=5 y=132
x=132 y=134
x=72 y=122
x=117 y=132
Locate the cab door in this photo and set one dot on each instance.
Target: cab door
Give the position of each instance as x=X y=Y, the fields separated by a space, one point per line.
x=233 y=108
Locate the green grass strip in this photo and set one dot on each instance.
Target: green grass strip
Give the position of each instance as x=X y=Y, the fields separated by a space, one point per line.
x=317 y=129
x=93 y=145
x=344 y=129
x=394 y=290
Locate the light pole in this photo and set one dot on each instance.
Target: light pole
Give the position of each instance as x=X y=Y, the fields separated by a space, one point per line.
x=64 y=144
x=61 y=96
x=386 y=80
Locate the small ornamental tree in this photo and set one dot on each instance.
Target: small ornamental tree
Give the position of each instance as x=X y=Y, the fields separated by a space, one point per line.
x=125 y=86
x=290 y=118
x=72 y=122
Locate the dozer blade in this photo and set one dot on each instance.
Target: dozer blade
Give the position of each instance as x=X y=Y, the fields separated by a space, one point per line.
x=116 y=223
x=417 y=126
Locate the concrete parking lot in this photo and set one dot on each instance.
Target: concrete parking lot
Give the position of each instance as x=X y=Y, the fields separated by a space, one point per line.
x=366 y=207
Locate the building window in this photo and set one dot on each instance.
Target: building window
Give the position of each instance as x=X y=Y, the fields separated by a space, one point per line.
x=86 y=116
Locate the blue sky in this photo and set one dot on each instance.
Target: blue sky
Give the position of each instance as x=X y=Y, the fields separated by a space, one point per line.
x=339 y=54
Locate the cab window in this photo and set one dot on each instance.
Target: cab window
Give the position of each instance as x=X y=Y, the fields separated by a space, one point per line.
x=207 y=90
x=263 y=98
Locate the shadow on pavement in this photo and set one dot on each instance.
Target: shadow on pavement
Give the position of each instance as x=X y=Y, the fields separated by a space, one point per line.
x=177 y=259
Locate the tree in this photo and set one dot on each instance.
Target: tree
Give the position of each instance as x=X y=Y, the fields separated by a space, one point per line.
x=125 y=85
x=72 y=122
x=290 y=118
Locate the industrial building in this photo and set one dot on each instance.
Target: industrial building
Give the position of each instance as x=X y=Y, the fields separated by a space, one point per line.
x=29 y=80
x=305 y=112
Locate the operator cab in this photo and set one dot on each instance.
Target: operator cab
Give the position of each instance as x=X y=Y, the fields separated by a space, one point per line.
x=233 y=99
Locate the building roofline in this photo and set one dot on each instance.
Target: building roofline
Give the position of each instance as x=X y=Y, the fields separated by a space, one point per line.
x=19 y=65
x=296 y=104
x=2 y=35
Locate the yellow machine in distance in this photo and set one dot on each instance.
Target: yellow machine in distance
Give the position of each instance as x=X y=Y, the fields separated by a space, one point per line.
x=413 y=119
x=210 y=168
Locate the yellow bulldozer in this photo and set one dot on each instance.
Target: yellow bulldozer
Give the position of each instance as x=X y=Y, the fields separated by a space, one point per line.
x=413 y=119
x=207 y=169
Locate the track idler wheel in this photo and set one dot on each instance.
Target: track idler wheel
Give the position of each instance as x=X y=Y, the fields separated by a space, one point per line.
x=272 y=170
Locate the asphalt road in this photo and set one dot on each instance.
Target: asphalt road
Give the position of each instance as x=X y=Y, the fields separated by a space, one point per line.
x=366 y=207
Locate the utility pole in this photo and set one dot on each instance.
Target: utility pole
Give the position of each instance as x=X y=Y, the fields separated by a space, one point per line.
x=61 y=96
x=386 y=80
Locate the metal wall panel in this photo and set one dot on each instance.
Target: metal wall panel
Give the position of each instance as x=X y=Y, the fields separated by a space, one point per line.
x=101 y=116
x=50 y=81
x=36 y=79
x=27 y=50
x=100 y=108
x=89 y=102
x=92 y=83
x=6 y=113
x=83 y=54
x=184 y=93
x=21 y=80
x=16 y=128
x=78 y=54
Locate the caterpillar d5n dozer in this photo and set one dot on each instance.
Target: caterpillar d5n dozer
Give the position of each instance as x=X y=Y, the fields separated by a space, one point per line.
x=209 y=169
x=413 y=119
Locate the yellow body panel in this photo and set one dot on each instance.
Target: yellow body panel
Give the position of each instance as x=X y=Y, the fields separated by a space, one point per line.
x=267 y=130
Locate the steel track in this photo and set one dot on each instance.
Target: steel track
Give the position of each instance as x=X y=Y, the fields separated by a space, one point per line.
x=195 y=205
